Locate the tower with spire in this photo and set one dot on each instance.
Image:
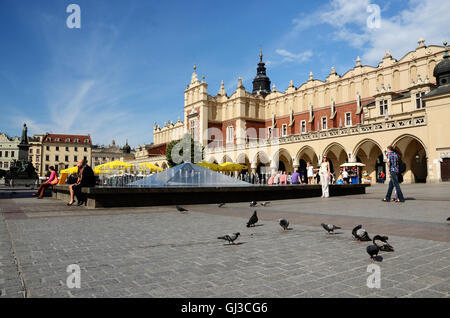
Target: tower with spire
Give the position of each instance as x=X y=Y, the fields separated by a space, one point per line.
x=261 y=82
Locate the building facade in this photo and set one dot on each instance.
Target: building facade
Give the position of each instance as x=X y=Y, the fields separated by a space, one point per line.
x=64 y=151
x=352 y=117
x=9 y=150
x=102 y=154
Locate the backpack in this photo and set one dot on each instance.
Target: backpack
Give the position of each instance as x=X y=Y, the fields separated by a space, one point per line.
x=401 y=166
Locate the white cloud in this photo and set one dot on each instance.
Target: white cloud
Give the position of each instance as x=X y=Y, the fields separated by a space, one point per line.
x=294 y=57
x=399 y=32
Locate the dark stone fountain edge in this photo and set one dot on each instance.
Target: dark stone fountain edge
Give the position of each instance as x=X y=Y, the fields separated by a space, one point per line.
x=105 y=197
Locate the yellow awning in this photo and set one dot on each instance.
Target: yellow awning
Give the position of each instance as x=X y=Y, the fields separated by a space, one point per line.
x=231 y=166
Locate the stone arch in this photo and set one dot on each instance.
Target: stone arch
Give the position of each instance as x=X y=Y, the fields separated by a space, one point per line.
x=282 y=159
x=370 y=153
x=365 y=87
x=308 y=154
x=414 y=154
x=164 y=165
x=212 y=160
x=396 y=80
x=336 y=154
x=226 y=158
x=242 y=158
x=261 y=162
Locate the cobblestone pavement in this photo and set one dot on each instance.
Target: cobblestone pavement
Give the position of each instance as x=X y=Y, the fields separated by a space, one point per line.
x=157 y=252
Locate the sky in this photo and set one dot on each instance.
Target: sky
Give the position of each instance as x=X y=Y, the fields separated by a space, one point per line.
x=128 y=65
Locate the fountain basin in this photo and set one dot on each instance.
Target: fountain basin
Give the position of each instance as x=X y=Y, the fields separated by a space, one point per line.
x=106 y=197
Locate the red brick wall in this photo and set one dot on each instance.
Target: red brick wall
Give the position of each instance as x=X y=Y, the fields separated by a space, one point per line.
x=158 y=150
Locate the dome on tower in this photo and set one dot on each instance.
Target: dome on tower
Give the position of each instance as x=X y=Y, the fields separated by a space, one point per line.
x=261 y=83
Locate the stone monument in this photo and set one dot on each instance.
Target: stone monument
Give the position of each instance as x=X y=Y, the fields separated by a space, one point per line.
x=22 y=171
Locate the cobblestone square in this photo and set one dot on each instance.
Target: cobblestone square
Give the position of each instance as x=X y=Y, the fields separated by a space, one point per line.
x=158 y=252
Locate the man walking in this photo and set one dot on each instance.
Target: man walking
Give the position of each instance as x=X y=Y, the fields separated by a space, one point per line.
x=394 y=171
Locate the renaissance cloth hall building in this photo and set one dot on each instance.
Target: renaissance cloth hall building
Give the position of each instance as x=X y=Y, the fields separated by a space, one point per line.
x=352 y=117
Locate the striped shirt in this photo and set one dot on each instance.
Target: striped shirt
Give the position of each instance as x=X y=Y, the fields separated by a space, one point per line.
x=393 y=162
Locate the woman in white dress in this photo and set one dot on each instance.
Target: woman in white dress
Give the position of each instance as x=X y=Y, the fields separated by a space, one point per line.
x=324 y=172
x=310 y=172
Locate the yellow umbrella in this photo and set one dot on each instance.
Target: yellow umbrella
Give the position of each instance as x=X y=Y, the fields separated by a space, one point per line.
x=113 y=165
x=70 y=170
x=143 y=166
x=209 y=165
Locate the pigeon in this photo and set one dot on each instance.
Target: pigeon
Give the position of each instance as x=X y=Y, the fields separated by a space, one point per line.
x=253 y=220
x=253 y=203
x=221 y=205
x=448 y=219
x=265 y=203
x=230 y=237
x=373 y=250
x=382 y=244
x=181 y=209
x=330 y=227
x=360 y=234
x=284 y=223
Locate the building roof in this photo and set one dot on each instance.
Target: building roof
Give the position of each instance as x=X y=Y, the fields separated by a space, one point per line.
x=67 y=139
x=443 y=89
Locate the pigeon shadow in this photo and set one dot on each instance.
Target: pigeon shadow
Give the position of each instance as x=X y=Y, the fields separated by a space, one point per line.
x=257 y=225
x=240 y=243
x=336 y=233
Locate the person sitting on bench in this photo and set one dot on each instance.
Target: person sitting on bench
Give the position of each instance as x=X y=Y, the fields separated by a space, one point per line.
x=86 y=178
x=52 y=180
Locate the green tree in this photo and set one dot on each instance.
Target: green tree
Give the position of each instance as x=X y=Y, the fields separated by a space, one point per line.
x=177 y=147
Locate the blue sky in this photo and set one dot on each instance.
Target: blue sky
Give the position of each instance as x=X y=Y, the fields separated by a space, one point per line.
x=129 y=64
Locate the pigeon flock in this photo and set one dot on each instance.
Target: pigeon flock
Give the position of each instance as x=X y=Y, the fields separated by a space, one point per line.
x=380 y=242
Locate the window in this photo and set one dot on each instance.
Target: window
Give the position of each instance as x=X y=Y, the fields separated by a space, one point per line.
x=31 y=151
x=46 y=167
x=75 y=158
x=38 y=159
x=5 y=165
x=47 y=158
x=66 y=166
x=85 y=158
x=86 y=141
x=419 y=102
x=38 y=151
x=6 y=154
x=193 y=123
x=67 y=140
x=66 y=158
x=1 y=164
x=76 y=149
x=324 y=123
x=77 y=140
x=348 y=119
x=303 y=127
x=12 y=154
x=284 y=127
x=67 y=148
x=85 y=149
x=57 y=148
x=57 y=139
x=47 y=147
x=230 y=137
x=383 y=104
x=49 y=139
x=1 y=154
x=96 y=158
x=56 y=158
